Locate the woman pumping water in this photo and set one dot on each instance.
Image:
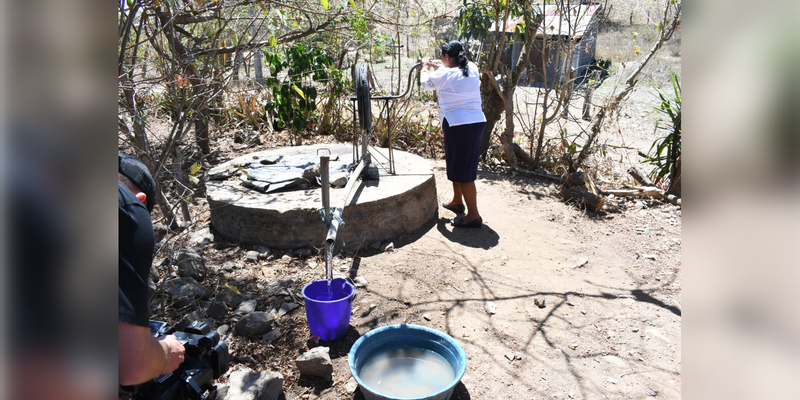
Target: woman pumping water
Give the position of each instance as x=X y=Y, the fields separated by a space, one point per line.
x=458 y=82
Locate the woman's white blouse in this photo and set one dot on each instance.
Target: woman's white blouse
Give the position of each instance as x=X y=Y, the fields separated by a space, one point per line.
x=459 y=95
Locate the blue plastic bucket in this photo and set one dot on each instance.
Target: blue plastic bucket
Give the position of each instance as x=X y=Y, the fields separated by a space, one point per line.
x=328 y=313
x=406 y=335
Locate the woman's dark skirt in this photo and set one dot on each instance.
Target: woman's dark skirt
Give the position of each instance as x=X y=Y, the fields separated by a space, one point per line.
x=462 y=150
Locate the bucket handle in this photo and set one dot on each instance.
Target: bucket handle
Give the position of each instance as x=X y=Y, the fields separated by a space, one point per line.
x=352 y=282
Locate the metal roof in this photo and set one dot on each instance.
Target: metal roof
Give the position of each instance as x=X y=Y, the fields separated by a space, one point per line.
x=556 y=22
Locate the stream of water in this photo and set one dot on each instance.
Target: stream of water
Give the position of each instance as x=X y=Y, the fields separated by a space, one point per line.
x=329 y=266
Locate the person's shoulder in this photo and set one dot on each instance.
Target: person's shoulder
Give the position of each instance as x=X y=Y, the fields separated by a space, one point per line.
x=127 y=199
x=454 y=71
x=125 y=195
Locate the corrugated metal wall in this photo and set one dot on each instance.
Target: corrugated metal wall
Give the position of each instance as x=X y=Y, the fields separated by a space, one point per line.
x=550 y=62
x=554 y=64
x=585 y=52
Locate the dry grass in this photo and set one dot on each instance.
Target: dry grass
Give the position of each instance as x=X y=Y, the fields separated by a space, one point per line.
x=626 y=28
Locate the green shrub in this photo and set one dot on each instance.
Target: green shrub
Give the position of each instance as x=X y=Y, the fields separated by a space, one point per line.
x=665 y=150
x=294 y=99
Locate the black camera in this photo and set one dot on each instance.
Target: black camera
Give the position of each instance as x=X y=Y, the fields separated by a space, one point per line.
x=205 y=360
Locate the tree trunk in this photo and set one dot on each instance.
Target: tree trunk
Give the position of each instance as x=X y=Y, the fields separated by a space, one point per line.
x=587 y=99
x=200 y=92
x=257 y=58
x=495 y=102
x=540 y=139
x=257 y=67
x=127 y=85
x=581 y=196
x=167 y=212
x=526 y=158
x=201 y=130
x=184 y=193
x=672 y=199
x=539 y=174
x=508 y=134
x=569 y=82
x=238 y=59
x=493 y=107
x=139 y=134
x=636 y=192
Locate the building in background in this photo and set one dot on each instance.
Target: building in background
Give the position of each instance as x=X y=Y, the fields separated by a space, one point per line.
x=550 y=60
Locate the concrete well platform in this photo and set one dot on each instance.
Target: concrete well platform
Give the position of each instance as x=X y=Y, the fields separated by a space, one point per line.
x=377 y=210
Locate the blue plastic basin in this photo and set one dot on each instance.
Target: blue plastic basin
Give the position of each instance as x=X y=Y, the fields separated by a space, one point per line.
x=406 y=335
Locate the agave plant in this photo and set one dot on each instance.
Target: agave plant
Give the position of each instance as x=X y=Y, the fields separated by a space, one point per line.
x=665 y=151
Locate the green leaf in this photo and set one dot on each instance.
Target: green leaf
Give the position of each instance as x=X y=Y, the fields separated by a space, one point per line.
x=194 y=179
x=273 y=42
x=194 y=168
x=572 y=148
x=324 y=4
x=353 y=3
x=676 y=86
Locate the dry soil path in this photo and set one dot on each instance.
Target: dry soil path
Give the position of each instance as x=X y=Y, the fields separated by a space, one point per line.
x=609 y=327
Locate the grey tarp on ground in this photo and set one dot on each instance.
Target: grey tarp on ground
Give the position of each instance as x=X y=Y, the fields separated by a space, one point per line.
x=286 y=173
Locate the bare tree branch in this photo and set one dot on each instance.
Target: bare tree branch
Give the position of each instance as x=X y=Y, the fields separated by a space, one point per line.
x=671 y=9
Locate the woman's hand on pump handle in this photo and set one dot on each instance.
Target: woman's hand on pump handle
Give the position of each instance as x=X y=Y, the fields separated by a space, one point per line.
x=427 y=63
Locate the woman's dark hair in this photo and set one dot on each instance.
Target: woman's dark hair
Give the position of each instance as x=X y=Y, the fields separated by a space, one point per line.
x=455 y=50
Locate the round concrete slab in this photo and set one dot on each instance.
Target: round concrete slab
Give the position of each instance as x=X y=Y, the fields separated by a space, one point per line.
x=376 y=210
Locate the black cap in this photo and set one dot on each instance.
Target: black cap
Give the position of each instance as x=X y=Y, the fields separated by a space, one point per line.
x=139 y=175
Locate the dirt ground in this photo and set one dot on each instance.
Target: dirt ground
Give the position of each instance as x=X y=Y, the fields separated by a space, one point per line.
x=610 y=285
x=609 y=327
x=547 y=300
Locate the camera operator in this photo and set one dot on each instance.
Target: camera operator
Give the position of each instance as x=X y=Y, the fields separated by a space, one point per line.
x=141 y=355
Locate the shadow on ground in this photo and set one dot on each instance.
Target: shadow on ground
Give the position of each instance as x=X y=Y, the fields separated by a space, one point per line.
x=484 y=237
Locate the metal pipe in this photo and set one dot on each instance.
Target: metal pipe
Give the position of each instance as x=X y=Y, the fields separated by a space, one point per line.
x=324 y=174
x=407 y=88
x=391 y=141
x=336 y=218
x=353 y=98
x=364 y=142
